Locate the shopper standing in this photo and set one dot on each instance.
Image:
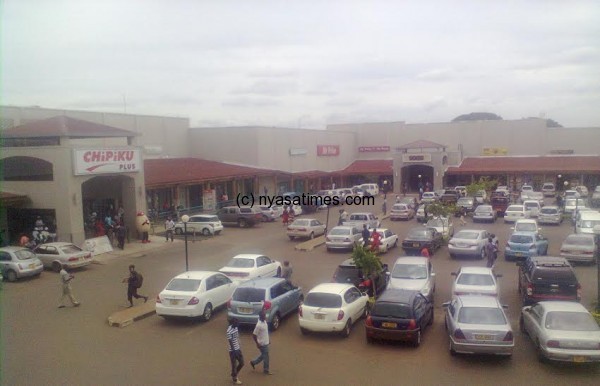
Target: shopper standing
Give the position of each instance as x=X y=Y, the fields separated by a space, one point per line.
x=261 y=338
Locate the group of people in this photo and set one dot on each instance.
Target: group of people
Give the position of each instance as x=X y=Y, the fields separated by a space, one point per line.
x=287 y=217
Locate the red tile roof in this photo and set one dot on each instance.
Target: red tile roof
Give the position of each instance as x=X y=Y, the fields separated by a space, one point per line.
x=370 y=166
x=63 y=126
x=168 y=171
x=533 y=164
x=421 y=144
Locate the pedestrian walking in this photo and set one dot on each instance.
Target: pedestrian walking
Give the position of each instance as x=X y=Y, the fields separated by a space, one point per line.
x=490 y=252
x=375 y=241
x=134 y=282
x=343 y=217
x=121 y=233
x=384 y=207
x=285 y=217
x=463 y=213
x=286 y=271
x=261 y=338
x=67 y=292
x=425 y=252
x=235 y=352
x=170 y=227
x=365 y=235
x=397 y=199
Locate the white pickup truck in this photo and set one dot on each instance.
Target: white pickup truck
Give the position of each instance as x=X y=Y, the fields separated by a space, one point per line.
x=358 y=219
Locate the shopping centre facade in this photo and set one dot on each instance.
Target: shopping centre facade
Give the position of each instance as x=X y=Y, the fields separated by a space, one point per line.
x=65 y=164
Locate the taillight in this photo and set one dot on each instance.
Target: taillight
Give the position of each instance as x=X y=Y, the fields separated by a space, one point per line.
x=529 y=289
x=340 y=315
x=553 y=343
x=300 y=311
x=289 y=229
x=158 y=299
x=412 y=324
x=578 y=291
x=369 y=321
x=266 y=305
x=508 y=337
x=73 y=258
x=458 y=334
x=301 y=229
x=229 y=304
x=193 y=300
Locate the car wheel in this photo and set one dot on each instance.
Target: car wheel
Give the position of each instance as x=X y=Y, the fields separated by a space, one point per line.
x=207 y=314
x=417 y=341
x=242 y=223
x=540 y=353
x=275 y=322
x=452 y=352
x=178 y=231
x=431 y=319
x=304 y=331
x=11 y=275
x=312 y=235
x=265 y=218
x=522 y=326
x=56 y=266
x=206 y=232
x=395 y=244
x=347 y=329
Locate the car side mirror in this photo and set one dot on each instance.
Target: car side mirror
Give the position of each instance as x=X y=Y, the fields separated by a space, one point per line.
x=453 y=273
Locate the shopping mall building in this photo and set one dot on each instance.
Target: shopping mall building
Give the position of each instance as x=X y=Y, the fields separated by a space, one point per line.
x=63 y=165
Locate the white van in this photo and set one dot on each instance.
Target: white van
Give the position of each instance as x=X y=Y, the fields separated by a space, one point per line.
x=587 y=221
x=549 y=189
x=371 y=189
x=533 y=206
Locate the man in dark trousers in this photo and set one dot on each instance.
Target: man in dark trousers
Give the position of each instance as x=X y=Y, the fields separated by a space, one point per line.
x=134 y=282
x=235 y=351
x=121 y=233
x=365 y=235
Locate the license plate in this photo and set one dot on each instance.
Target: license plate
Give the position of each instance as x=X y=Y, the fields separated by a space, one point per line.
x=245 y=310
x=174 y=302
x=32 y=265
x=389 y=325
x=416 y=245
x=319 y=316
x=518 y=254
x=483 y=337
x=578 y=359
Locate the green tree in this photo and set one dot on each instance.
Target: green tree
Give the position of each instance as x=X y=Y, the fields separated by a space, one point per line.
x=368 y=262
x=484 y=183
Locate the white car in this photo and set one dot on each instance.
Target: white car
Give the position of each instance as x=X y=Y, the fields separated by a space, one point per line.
x=388 y=239
x=475 y=281
x=55 y=255
x=250 y=266
x=305 y=227
x=533 y=206
x=428 y=197
x=572 y=194
x=526 y=225
x=332 y=307
x=538 y=196
x=207 y=224
x=515 y=212
x=401 y=212
x=548 y=189
x=343 y=237
x=193 y=294
x=297 y=209
x=583 y=191
x=413 y=273
x=443 y=225
x=270 y=213
x=468 y=242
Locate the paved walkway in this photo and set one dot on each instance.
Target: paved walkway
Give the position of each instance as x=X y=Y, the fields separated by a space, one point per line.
x=135 y=247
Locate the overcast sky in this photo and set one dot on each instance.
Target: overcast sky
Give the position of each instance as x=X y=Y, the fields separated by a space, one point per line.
x=305 y=63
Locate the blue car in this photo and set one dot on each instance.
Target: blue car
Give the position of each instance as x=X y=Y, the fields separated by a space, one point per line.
x=276 y=296
x=525 y=244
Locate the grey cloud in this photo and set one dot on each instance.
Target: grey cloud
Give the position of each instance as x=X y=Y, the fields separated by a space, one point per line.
x=269 y=87
x=250 y=102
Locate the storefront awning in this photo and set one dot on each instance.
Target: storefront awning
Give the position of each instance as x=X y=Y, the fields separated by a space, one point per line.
x=12 y=199
x=371 y=166
x=527 y=164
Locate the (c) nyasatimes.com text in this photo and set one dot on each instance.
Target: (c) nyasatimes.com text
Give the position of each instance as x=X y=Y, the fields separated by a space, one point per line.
x=302 y=200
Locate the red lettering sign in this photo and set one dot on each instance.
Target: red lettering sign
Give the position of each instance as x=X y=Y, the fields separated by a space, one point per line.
x=328 y=150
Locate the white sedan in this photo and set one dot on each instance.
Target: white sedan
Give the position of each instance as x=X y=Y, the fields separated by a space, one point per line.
x=516 y=212
x=475 y=281
x=305 y=227
x=193 y=294
x=443 y=225
x=388 y=239
x=250 y=266
x=55 y=255
x=332 y=307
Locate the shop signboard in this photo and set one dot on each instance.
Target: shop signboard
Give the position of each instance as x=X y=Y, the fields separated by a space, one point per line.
x=373 y=149
x=408 y=158
x=107 y=160
x=328 y=150
x=98 y=245
x=298 y=151
x=491 y=151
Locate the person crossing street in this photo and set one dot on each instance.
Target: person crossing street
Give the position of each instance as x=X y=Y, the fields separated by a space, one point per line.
x=170 y=228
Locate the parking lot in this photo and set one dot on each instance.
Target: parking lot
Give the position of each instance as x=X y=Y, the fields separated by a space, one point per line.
x=47 y=345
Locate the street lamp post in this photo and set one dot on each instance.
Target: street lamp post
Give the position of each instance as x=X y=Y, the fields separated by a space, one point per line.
x=185 y=218
x=597 y=233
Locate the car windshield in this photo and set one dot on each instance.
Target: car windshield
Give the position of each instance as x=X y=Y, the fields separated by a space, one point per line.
x=467 y=235
x=529 y=205
x=571 y=321
x=249 y=294
x=24 y=254
x=241 y=263
x=549 y=211
x=70 y=249
x=525 y=227
x=418 y=234
x=436 y=223
x=185 y=285
x=483 y=209
x=302 y=223
x=323 y=300
x=409 y=271
x=481 y=315
x=521 y=239
x=515 y=208
x=475 y=279
x=392 y=310
x=465 y=201
x=589 y=223
x=339 y=232
x=398 y=207
x=579 y=240
x=345 y=274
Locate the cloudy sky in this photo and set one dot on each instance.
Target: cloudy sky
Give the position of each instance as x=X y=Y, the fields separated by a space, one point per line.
x=304 y=63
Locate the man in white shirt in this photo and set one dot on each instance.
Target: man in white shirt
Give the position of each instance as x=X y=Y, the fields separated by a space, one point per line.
x=261 y=338
x=65 y=279
x=170 y=227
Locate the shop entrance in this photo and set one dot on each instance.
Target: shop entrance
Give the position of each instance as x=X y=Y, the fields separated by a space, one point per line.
x=416 y=175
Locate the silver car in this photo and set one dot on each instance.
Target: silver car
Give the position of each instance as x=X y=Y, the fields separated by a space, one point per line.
x=475 y=281
x=413 y=273
x=562 y=331
x=484 y=213
x=343 y=237
x=18 y=262
x=580 y=247
x=468 y=242
x=478 y=325
x=306 y=228
x=550 y=215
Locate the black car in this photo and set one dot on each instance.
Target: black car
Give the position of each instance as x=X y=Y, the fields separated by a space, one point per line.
x=547 y=278
x=449 y=197
x=348 y=272
x=467 y=203
x=399 y=315
x=419 y=238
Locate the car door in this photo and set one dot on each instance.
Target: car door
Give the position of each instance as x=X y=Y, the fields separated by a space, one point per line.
x=265 y=268
x=542 y=244
x=533 y=321
x=223 y=289
x=357 y=308
x=451 y=312
x=5 y=261
x=419 y=311
x=281 y=296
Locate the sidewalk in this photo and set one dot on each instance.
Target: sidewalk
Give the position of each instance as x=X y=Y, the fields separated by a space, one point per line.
x=135 y=248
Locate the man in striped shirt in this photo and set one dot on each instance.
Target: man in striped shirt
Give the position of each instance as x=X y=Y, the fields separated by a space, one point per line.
x=235 y=352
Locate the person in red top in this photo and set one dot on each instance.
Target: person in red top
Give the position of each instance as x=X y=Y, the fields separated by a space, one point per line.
x=425 y=252
x=375 y=241
x=285 y=217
